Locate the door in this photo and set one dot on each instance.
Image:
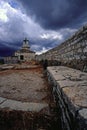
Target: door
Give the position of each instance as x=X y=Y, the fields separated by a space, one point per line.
x=21 y=57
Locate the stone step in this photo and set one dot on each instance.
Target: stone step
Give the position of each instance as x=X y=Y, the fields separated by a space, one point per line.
x=22 y=106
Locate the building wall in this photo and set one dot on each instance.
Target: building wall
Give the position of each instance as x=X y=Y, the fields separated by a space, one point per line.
x=74 y=48
x=27 y=56
x=10 y=59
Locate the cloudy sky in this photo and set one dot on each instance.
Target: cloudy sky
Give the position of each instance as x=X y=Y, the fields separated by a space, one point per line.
x=46 y=23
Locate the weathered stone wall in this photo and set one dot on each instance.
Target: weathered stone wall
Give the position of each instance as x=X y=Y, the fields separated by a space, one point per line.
x=73 y=49
x=10 y=59
x=69 y=90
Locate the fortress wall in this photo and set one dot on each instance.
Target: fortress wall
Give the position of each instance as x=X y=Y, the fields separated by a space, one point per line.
x=74 y=48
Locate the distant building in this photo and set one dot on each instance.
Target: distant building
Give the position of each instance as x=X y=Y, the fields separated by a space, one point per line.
x=25 y=54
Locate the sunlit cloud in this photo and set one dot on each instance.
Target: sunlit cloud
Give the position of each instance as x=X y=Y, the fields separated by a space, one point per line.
x=51 y=35
x=42 y=51
x=3 y=16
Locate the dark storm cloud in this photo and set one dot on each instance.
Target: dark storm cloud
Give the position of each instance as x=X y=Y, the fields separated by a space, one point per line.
x=55 y=14
x=6 y=50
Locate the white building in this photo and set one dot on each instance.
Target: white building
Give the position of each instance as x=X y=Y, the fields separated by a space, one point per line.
x=25 y=54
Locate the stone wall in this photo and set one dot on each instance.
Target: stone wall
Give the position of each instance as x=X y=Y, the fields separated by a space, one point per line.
x=10 y=60
x=70 y=94
x=73 y=49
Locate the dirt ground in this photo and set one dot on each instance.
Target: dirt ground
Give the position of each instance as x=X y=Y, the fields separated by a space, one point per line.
x=26 y=85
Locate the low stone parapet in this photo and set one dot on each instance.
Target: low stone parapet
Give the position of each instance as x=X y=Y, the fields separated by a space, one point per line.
x=70 y=94
x=6 y=67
